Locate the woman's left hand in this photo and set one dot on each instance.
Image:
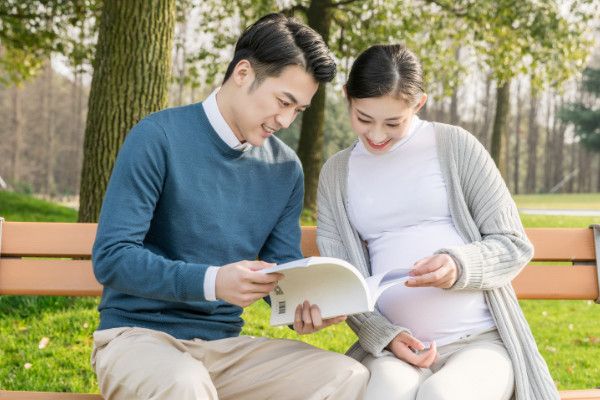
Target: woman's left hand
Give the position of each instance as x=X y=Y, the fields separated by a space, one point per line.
x=308 y=319
x=438 y=270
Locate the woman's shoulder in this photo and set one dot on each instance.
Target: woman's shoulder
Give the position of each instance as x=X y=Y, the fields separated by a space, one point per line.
x=453 y=134
x=339 y=160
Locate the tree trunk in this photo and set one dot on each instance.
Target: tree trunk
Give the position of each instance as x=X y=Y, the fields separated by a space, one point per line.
x=532 y=142
x=485 y=128
x=454 y=117
x=500 y=128
x=559 y=129
x=18 y=134
x=549 y=146
x=49 y=184
x=132 y=70
x=517 y=140
x=310 y=146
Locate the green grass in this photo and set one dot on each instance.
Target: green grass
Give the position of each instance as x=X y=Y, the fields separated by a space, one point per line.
x=566 y=331
x=584 y=201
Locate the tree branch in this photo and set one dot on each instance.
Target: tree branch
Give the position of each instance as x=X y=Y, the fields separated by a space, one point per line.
x=460 y=12
x=341 y=3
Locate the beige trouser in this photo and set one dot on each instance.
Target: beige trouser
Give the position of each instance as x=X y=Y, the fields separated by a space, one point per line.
x=472 y=368
x=137 y=363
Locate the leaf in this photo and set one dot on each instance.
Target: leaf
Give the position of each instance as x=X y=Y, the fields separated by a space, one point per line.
x=43 y=342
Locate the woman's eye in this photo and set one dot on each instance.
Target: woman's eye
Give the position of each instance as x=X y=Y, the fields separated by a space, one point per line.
x=284 y=103
x=364 y=121
x=393 y=125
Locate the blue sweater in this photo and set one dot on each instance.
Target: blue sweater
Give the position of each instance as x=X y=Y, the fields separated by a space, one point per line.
x=180 y=200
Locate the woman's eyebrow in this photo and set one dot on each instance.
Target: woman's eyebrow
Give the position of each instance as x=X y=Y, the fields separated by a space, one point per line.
x=368 y=116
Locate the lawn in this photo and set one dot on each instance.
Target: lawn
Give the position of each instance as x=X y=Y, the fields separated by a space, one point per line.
x=567 y=332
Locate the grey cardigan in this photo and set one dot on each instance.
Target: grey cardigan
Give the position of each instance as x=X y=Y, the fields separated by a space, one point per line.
x=486 y=218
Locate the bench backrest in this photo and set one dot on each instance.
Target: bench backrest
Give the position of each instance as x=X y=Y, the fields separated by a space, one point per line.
x=57 y=261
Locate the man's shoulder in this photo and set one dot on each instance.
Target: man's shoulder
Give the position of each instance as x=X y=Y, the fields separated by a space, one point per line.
x=279 y=150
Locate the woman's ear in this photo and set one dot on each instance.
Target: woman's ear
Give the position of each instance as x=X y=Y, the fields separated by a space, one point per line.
x=421 y=103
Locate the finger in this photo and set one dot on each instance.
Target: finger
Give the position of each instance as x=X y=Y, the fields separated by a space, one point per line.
x=423 y=266
x=258 y=265
x=298 y=324
x=411 y=341
x=333 y=321
x=306 y=317
x=315 y=316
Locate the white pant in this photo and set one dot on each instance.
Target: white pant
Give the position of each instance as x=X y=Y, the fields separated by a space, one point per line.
x=137 y=363
x=473 y=368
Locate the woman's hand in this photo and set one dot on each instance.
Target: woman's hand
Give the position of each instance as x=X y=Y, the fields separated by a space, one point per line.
x=308 y=319
x=399 y=346
x=439 y=271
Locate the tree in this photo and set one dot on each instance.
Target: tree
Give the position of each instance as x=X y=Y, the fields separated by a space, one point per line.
x=585 y=115
x=132 y=71
x=525 y=37
x=30 y=30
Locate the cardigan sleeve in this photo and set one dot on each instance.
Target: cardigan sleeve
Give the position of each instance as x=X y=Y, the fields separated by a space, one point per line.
x=336 y=238
x=498 y=248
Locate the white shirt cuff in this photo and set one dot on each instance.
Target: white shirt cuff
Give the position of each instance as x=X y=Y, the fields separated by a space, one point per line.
x=210 y=281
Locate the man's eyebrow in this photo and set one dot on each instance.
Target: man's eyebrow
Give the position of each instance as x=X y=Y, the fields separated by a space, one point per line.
x=368 y=116
x=294 y=100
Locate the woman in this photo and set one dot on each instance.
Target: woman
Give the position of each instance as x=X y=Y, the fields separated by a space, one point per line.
x=427 y=195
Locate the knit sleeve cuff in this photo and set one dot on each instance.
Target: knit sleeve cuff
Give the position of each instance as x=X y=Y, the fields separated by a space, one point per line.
x=376 y=332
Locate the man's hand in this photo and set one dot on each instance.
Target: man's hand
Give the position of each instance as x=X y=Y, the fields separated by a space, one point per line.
x=400 y=347
x=308 y=319
x=241 y=284
x=439 y=271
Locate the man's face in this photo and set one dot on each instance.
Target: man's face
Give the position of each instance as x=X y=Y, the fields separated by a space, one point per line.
x=259 y=111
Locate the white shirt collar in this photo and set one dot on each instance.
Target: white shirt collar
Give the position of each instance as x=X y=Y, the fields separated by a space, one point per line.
x=211 y=108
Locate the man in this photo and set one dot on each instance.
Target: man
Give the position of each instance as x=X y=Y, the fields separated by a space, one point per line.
x=196 y=192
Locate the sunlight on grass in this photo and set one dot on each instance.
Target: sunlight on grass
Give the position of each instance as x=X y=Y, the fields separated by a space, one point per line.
x=583 y=201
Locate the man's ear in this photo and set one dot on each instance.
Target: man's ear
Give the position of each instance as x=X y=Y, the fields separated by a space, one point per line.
x=243 y=73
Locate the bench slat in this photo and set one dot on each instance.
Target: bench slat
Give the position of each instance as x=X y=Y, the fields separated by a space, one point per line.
x=589 y=394
x=551 y=244
x=48 y=277
x=562 y=244
x=47 y=239
x=566 y=282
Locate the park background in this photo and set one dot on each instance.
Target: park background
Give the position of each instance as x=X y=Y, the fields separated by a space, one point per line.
x=76 y=75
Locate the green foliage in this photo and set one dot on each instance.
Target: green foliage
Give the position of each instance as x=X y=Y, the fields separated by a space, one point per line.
x=30 y=30
x=586 y=116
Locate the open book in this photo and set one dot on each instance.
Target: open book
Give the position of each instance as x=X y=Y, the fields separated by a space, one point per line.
x=331 y=283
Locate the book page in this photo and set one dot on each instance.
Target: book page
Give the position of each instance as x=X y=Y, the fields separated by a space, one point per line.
x=333 y=285
x=379 y=283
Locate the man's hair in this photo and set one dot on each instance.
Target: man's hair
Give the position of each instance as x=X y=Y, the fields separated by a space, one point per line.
x=275 y=42
x=386 y=69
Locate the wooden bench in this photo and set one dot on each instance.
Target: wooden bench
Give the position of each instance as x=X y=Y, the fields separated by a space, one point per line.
x=55 y=275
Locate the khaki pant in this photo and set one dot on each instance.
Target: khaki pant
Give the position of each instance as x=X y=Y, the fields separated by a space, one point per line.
x=473 y=368
x=137 y=363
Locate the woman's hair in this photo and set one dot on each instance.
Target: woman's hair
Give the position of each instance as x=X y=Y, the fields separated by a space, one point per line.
x=386 y=70
x=275 y=42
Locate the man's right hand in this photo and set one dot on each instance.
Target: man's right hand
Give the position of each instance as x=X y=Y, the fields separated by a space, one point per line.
x=241 y=283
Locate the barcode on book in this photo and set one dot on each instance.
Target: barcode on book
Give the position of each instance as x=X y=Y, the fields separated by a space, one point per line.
x=281 y=307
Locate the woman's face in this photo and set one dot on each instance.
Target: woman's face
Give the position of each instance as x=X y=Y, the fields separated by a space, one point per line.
x=380 y=122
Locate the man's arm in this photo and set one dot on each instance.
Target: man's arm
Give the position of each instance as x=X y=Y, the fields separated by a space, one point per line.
x=119 y=257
